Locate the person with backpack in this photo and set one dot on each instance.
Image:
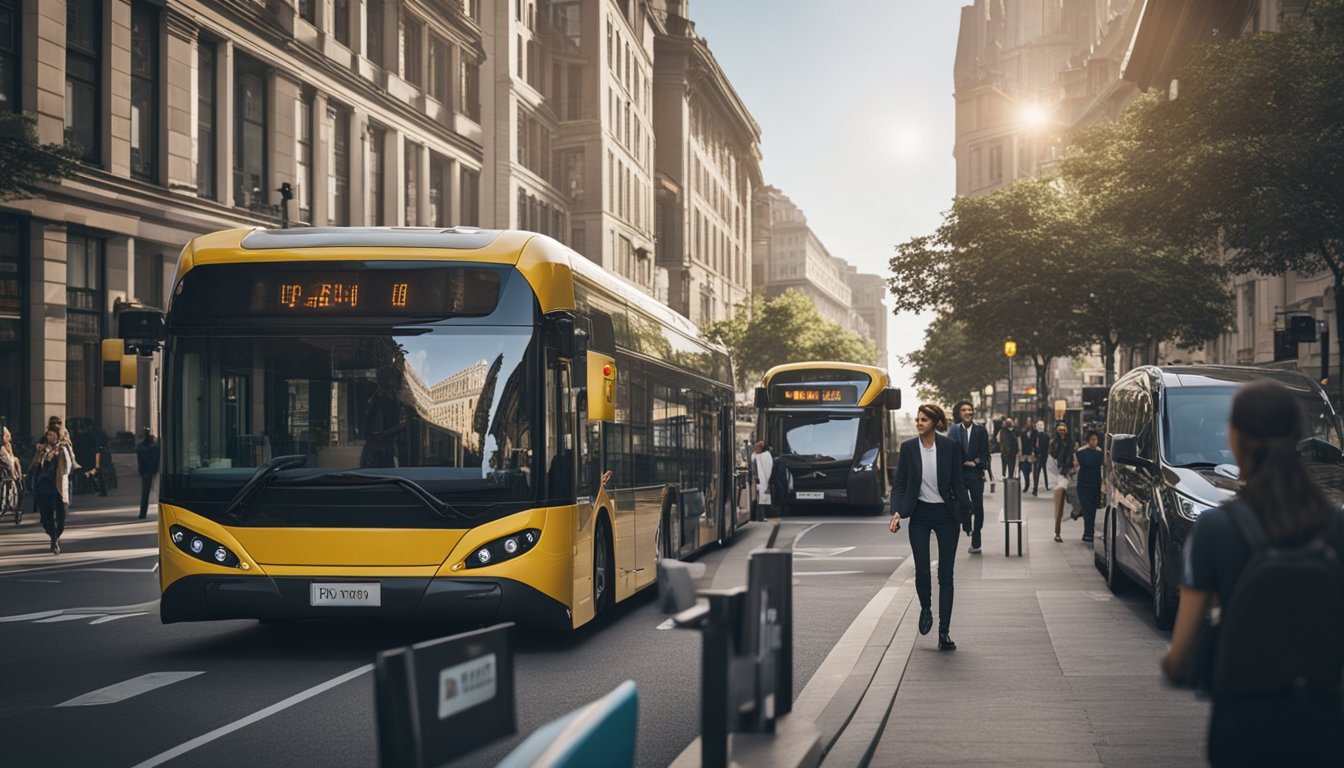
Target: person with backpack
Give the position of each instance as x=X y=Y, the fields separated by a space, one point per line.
x=1270 y=558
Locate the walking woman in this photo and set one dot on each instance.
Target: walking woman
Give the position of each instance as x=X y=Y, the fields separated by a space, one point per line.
x=1088 y=463
x=930 y=492
x=1294 y=721
x=51 y=482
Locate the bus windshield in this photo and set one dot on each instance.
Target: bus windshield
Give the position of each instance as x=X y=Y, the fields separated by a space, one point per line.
x=818 y=436
x=448 y=407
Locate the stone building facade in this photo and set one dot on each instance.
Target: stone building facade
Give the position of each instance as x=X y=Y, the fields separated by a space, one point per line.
x=189 y=115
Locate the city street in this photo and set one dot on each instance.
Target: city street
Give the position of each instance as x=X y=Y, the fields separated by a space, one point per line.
x=1051 y=667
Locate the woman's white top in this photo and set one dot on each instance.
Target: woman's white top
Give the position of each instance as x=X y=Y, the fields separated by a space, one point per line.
x=765 y=464
x=928 y=480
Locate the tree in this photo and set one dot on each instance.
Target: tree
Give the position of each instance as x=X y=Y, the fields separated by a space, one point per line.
x=1249 y=157
x=954 y=360
x=26 y=163
x=785 y=329
x=1000 y=264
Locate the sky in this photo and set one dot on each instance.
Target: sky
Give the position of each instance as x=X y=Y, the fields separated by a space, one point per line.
x=854 y=100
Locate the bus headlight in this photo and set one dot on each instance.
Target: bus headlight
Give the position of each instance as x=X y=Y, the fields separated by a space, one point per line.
x=203 y=548
x=504 y=548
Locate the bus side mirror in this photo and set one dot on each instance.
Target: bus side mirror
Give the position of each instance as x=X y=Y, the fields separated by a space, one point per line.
x=891 y=397
x=761 y=400
x=142 y=329
x=601 y=387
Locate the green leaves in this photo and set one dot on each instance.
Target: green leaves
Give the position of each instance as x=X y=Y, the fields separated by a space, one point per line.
x=25 y=162
x=785 y=329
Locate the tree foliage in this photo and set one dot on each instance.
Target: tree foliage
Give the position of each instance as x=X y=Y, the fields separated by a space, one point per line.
x=954 y=360
x=785 y=329
x=1249 y=156
x=25 y=162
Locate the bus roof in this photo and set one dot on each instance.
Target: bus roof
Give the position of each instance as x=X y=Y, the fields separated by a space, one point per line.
x=877 y=377
x=546 y=264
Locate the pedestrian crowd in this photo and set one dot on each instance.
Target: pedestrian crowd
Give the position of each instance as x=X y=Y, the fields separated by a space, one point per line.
x=53 y=473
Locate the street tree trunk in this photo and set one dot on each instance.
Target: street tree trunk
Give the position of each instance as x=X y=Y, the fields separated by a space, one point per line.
x=1108 y=348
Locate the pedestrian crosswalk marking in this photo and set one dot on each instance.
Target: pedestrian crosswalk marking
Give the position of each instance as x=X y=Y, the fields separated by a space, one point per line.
x=128 y=688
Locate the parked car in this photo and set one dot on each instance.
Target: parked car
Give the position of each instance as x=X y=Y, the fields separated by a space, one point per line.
x=1167 y=460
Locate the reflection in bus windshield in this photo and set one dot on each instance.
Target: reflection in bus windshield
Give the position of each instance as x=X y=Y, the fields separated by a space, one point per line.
x=821 y=437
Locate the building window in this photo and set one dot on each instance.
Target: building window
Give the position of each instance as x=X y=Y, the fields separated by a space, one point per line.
x=373 y=32
x=304 y=131
x=439 y=203
x=414 y=66
x=412 y=175
x=996 y=163
x=84 y=329
x=440 y=70
x=144 y=91
x=340 y=21
x=338 y=203
x=13 y=339
x=249 y=136
x=471 y=90
x=377 y=192
x=83 y=77
x=308 y=10
x=9 y=55
x=471 y=197
x=206 y=155
x=149 y=278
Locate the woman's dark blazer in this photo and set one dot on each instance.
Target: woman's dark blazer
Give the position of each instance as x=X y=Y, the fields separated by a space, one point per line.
x=910 y=473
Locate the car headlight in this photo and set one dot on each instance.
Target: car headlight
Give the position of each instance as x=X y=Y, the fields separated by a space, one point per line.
x=504 y=548
x=1189 y=508
x=204 y=548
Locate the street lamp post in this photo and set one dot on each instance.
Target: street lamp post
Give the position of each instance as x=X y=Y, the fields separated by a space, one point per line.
x=1010 y=351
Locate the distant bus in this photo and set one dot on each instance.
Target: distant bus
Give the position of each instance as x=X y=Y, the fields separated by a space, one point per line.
x=831 y=426
x=459 y=424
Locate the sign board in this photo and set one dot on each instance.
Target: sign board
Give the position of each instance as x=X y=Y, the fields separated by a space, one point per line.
x=441 y=699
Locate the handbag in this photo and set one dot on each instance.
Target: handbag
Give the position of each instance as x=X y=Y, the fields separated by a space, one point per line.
x=1071 y=492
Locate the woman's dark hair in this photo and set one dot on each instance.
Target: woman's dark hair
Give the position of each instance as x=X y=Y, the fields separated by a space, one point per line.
x=935 y=414
x=1091 y=433
x=956 y=409
x=1291 y=507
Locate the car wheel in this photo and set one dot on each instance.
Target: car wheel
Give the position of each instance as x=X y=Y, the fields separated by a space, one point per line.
x=604 y=569
x=1164 y=605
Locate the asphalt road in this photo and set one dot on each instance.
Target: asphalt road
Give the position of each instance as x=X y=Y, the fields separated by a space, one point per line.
x=231 y=693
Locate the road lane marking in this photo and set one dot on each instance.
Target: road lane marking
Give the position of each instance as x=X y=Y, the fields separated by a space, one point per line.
x=667 y=624
x=820 y=551
x=69 y=617
x=73 y=560
x=806 y=530
x=40 y=581
x=855 y=558
x=106 y=619
x=128 y=688
x=826 y=573
x=114 y=610
x=257 y=716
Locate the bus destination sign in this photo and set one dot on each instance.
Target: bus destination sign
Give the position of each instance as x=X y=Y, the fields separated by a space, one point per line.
x=816 y=394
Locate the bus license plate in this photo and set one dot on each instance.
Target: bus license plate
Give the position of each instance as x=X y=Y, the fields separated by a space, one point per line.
x=357 y=595
x=810 y=495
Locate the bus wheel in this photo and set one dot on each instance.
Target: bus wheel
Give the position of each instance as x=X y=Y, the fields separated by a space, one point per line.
x=604 y=569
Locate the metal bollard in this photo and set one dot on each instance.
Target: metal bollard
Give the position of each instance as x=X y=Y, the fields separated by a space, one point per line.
x=1012 y=514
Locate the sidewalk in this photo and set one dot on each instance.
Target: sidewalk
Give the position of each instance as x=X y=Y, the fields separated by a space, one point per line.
x=1051 y=668
x=88 y=518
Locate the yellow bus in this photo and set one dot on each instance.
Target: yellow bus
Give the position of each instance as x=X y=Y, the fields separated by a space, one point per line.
x=830 y=425
x=457 y=424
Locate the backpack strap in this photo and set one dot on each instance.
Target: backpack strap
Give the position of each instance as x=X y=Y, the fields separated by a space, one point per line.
x=1241 y=515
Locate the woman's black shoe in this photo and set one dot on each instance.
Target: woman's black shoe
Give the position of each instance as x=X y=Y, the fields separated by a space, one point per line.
x=945 y=642
x=925 y=620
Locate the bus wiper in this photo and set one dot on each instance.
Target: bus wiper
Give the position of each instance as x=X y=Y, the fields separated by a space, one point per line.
x=1198 y=465
x=431 y=502
x=263 y=476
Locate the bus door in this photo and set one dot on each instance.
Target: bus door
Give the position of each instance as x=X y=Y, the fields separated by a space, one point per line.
x=726 y=467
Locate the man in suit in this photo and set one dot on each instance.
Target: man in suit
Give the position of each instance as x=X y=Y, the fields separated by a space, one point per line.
x=930 y=493
x=974 y=442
